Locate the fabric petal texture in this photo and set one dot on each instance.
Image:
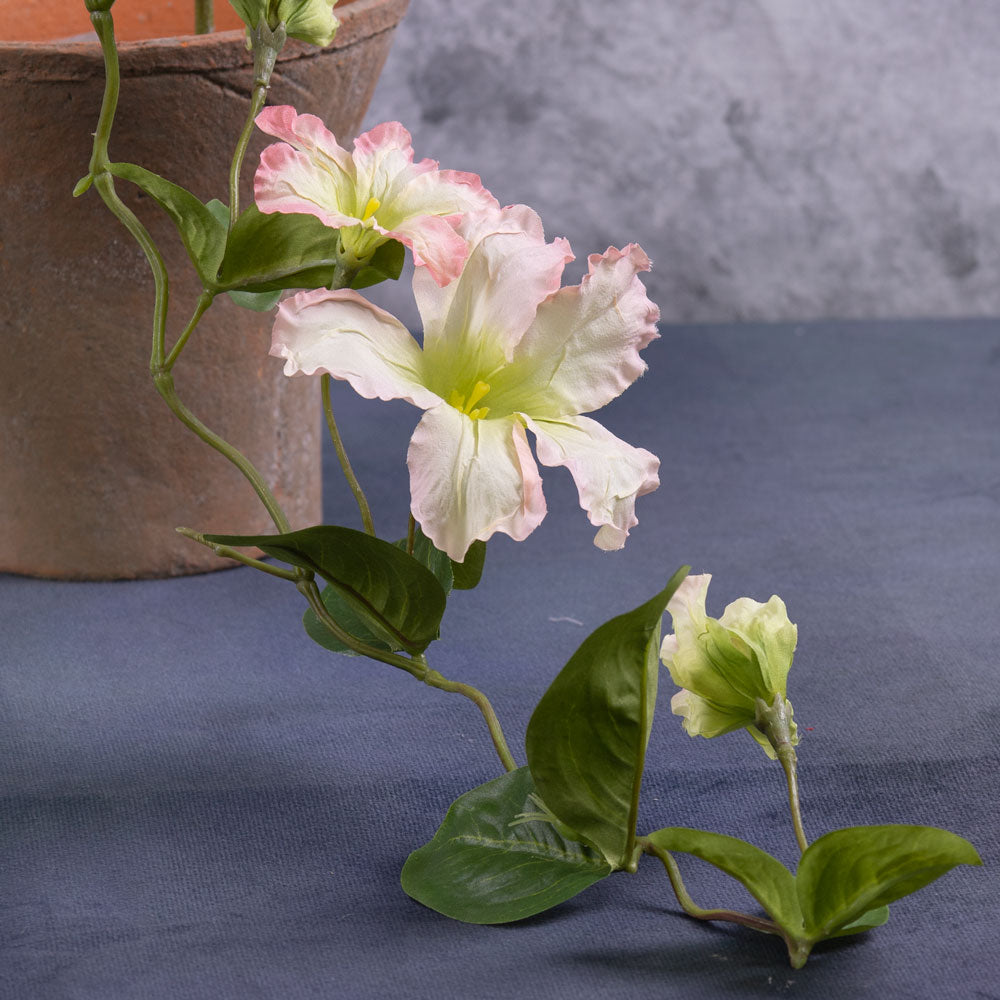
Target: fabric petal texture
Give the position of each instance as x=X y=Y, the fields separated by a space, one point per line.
x=609 y=473
x=472 y=478
x=374 y=194
x=582 y=350
x=342 y=334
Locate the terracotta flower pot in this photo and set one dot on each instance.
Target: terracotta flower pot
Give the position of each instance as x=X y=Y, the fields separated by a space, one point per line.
x=97 y=472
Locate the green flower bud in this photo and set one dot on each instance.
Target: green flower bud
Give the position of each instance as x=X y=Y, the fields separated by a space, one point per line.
x=307 y=20
x=730 y=667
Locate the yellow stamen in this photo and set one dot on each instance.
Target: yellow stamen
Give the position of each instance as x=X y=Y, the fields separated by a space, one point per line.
x=467 y=405
x=370 y=209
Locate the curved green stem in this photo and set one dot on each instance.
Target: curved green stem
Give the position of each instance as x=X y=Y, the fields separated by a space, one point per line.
x=691 y=908
x=164 y=382
x=435 y=680
x=345 y=464
x=257 y=99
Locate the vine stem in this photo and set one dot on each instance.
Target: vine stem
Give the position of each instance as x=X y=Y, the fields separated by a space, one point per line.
x=204 y=17
x=345 y=463
x=415 y=666
x=691 y=908
x=787 y=757
x=257 y=98
x=227 y=552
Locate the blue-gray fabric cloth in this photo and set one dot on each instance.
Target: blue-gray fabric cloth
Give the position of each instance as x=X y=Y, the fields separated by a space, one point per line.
x=198 y=802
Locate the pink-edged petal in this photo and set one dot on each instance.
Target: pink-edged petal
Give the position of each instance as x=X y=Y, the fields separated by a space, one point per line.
x=582 y=351
x=293 y=182
x=306 y=133
x=383 y=158
x=485 y=311
x=344 y=335
x=435 y=245
x=472 y=478
x=609 y=473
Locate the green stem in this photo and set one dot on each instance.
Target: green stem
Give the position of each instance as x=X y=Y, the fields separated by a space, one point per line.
x=786 y=755
x=204 y=17
x=345 y=464
x=257 y=99
x=164 y=382
x=227 y=552
x=415 y=666
x=691 y=908
x=204 y=301
x=435 y=680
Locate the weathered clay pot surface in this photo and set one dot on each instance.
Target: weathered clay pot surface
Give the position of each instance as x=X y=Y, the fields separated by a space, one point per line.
x=96 y=471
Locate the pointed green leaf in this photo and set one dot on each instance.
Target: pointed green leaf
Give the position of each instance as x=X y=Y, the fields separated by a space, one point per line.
x=425 y=552
x=399 y=600
x=483 y=866
x=848 y=872
x=204 y=237
x=866 y=922
x=469 y=572
x=586 y=741
x=765 y=877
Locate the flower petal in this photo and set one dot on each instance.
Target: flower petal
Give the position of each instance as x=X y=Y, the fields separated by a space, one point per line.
x=485 y=311
x=471 y=478
x=344 y=335
x=768 y=632
x=703 y=718
x=609 y=473
x=582 y=350
x=308 y=172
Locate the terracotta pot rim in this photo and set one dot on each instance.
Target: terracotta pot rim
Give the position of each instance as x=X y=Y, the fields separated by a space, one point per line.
x=70 y=60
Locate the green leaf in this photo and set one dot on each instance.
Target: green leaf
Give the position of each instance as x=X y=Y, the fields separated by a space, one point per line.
x=425 y=552
x=204 y=237
x=766 y=878
x=399 y=600
x=469 y=572
x=586 y=741
x=848 y=872
x=866 y=922
x=386 y=262
x=483 y=866
x=271 y=252
x=349 y=620
x=257 y=301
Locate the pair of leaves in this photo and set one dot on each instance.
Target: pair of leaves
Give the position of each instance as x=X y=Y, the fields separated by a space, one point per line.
x=845 y=879
x=383 y=596
x=449 y=574
x=525 y=842
x=264 y=254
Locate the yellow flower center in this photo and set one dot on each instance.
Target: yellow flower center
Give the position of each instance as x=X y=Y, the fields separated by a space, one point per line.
x=468 y=405
x=370 y=209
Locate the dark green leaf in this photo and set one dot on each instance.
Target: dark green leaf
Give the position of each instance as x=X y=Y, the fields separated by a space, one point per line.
x=269 y=252
x=469 y=572
x=433 y=558
x=349 y=620
x=586 y=741
x=386 y=262
x=481 y=869
x=848 y=872
x=399 y=600
x=204 y=237
x=766 y=878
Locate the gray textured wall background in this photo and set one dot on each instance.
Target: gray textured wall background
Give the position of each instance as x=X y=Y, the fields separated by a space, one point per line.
x=778 y=159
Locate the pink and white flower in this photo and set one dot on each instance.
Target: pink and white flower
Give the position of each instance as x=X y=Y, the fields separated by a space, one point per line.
x=374 y=194
x=505 y=350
